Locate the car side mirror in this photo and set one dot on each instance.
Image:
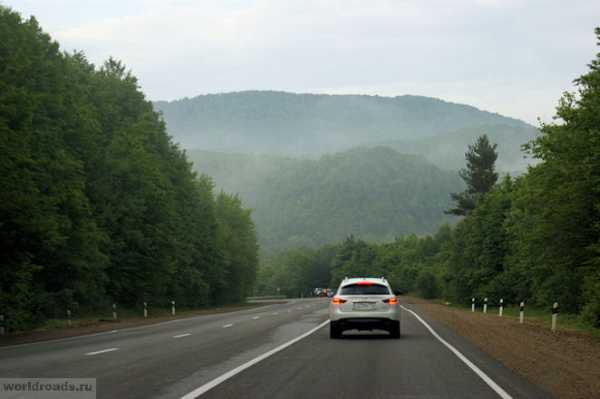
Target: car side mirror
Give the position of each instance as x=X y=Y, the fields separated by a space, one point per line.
x=398 y=292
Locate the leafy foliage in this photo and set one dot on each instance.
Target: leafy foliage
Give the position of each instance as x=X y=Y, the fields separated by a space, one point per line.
x=97 y=204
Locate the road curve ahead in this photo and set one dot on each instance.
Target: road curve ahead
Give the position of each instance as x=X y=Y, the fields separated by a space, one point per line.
x=276 y=351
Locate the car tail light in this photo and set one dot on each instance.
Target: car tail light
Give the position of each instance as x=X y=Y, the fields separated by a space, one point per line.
x=364 y=283
x=337 y=301
x=391 y=301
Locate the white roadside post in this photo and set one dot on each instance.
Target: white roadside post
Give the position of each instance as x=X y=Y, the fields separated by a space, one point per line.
x=484 y=305
x=145 y=310
x=501 y=308
x=2 y=329
x=172 y=308
x=115 y=317
x=472 y=304
x=69 y=317
x=521 y=312
x=554 y=315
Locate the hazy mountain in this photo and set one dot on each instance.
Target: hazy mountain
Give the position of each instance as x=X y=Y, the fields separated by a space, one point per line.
x=310 y=124
x=373 y=193
x=448 y=151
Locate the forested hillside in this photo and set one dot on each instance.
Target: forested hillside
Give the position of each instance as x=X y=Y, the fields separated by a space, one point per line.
x=374 y=193
x=97 y=204
x=447 y=151
x=309 y=124
x=534 y=238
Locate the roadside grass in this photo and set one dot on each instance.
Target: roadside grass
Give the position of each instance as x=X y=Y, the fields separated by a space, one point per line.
x=535 y=315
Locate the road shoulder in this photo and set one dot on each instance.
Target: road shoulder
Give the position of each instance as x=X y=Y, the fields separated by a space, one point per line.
x=564 y=364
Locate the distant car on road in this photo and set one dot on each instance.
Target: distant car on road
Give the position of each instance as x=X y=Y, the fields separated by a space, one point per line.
x=364 y=303
x=321 y=292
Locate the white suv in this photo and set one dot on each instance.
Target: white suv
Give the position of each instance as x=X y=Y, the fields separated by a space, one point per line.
x=364 y=303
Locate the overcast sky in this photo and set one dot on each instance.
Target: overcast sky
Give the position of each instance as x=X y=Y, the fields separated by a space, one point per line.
x=507 y=56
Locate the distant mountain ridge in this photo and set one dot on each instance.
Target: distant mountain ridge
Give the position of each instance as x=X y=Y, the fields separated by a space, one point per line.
x=374 y=193
x=314 y=124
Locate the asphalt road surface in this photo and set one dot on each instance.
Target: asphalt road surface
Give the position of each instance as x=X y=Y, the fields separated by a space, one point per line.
x=276 y=351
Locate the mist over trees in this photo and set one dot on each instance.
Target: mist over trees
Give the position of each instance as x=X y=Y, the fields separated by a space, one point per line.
x=310 y=125
x=304 y=162
x=374 y=193
x=97 y=204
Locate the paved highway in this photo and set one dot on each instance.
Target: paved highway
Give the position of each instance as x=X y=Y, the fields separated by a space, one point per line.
x=276 y=351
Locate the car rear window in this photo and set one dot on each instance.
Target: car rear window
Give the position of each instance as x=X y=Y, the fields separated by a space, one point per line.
x=364 y=289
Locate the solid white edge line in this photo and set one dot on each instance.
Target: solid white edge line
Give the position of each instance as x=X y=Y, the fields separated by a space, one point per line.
x=182 y=335
x=491 y=383
x=228 y=325
x=101 y=351
x=224 y=377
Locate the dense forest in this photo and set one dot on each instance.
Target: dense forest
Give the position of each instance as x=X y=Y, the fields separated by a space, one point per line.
x=374 y=193
x=265 y=122
x=97 y=203
x=535 y=237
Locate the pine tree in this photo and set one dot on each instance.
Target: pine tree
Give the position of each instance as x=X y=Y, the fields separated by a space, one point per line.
x=479 y=176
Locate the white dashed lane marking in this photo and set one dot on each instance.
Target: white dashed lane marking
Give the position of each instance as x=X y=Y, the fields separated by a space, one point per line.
x=101 y=351
x=182 y=335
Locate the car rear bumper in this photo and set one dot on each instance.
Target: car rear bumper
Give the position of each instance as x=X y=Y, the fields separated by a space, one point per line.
x=364 y=323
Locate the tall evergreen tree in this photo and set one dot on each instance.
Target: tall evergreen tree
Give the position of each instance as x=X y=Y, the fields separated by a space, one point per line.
x=479 y=175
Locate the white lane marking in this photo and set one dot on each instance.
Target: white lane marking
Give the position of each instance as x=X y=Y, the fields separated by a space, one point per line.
x=102 y=351
x=182 y=335
x=224 y=377
x=256 y=318
x=129 y=329
x=228 y=325
x=491 y=383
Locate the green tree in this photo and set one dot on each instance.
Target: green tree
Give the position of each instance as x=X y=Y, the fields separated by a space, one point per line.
x=355 y=258
x=479 y=176
x=97 y=204
x=427 y=284
x=237 y=245
x=561 y=201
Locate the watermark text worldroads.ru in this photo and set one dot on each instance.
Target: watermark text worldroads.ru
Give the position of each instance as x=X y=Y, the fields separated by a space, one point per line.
x=48 y=388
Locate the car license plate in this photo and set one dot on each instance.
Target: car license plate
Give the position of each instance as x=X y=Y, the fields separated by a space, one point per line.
x=363 y=306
